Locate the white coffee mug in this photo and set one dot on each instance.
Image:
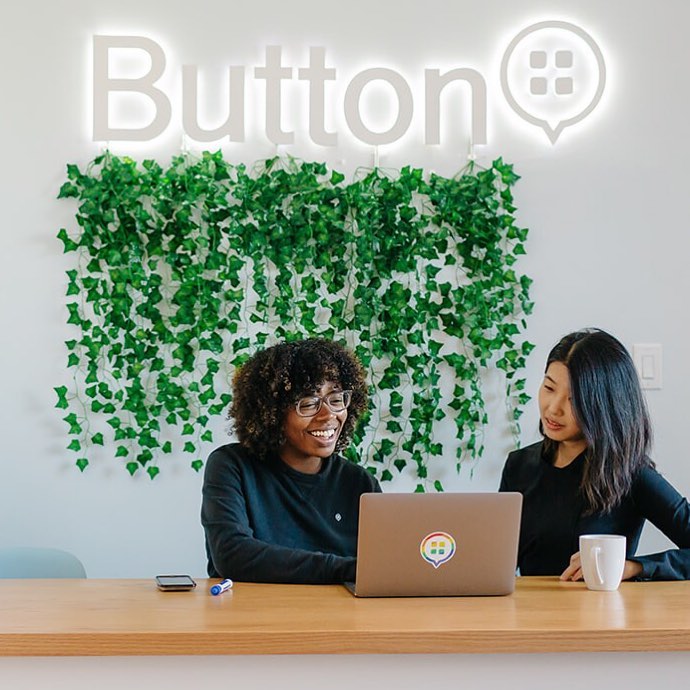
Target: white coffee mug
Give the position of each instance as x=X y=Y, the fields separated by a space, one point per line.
x=602 y=557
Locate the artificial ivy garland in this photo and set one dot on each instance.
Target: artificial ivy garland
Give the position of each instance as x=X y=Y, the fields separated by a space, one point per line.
x=182 y=272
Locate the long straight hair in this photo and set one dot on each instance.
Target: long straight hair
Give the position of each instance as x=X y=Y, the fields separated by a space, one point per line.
x=610 y=409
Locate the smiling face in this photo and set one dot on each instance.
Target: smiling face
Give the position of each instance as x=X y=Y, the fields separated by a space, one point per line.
x=555 y=408
x=310 y=439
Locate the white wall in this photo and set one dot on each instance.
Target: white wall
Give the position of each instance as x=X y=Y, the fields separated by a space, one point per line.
x=606 y=207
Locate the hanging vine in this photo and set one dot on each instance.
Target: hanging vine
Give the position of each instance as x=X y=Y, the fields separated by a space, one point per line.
x=182 y=272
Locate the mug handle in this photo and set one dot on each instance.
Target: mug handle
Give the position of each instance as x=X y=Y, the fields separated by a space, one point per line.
x=595 y=552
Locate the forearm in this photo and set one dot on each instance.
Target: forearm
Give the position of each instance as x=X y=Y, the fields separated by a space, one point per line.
x=251 y=560
x=632 y=569
x=668 y=565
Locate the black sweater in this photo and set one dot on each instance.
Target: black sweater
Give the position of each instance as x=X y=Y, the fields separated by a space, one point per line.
x=265 y=522
x=553 y=520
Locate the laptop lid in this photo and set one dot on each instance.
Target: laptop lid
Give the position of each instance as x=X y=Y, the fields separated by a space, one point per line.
x=444 y=544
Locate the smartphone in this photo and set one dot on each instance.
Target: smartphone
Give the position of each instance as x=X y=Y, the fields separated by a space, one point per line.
x=175 y=583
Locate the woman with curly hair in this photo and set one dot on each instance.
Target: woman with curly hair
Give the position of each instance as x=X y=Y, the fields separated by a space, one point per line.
x=281 y=505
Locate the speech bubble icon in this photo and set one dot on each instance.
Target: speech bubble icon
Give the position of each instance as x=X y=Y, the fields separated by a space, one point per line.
x=437 y=548
x=553 y=75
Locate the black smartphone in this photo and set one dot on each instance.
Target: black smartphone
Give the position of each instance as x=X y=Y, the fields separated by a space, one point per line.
x=175 y=583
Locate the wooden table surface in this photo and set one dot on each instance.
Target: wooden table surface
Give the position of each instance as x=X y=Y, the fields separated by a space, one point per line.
x=131 y=617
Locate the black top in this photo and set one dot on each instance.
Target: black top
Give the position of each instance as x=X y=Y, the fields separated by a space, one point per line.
x=553 y=520
x=265 y=522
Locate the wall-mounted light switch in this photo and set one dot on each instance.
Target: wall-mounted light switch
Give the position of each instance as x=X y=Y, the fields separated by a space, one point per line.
x=647 y=358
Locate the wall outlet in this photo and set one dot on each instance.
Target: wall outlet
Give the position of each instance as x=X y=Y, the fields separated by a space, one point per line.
x=648 y=362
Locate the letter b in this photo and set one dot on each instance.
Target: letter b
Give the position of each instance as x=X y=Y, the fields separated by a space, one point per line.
x=103 y=85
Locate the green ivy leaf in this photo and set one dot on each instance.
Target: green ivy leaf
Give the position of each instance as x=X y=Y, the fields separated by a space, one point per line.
x=144 y=457
x=68 y=244
x=394 y=427
x=75 y=427
x=62 y=403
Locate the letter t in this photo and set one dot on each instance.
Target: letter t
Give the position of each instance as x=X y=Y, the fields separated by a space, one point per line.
x=274 y=73
x=316 y=74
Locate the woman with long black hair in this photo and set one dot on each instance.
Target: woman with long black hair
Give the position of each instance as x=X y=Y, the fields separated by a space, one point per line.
x=592 y=473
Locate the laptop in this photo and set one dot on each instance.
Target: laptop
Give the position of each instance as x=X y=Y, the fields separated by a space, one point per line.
x=444 y=544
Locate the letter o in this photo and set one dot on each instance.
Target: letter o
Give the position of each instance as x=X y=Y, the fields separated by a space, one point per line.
x=353 y=95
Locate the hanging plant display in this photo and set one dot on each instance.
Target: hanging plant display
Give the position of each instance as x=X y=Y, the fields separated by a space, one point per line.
x=181 y=273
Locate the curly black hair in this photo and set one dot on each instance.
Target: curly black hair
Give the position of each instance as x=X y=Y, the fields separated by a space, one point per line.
x=274 y=379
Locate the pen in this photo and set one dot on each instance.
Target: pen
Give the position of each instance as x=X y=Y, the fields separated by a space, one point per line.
x=223 y=586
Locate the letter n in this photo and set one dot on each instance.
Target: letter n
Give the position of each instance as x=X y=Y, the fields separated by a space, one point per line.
x=435 y=83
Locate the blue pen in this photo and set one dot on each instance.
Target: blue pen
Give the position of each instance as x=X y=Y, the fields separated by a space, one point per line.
x=223 y=586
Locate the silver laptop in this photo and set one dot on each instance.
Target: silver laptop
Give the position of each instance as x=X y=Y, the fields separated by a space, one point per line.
x=445 y=544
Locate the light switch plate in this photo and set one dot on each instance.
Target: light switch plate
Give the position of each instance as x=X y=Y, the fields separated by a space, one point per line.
x=648 y=362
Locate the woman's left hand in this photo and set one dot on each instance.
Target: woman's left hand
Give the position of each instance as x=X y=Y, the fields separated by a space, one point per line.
x=574 y=570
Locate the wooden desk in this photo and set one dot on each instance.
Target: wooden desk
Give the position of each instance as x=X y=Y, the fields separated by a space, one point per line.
x=131 y=618
x=115 y=634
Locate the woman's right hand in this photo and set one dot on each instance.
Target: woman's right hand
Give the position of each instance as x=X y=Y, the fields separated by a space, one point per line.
x=574 y=570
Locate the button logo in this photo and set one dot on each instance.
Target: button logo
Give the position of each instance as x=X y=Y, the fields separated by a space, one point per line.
x=553 y=75
x=437 y=548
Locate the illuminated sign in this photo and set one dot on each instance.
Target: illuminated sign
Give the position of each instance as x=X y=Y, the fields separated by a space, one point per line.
x=273 y=73
x=552 y=75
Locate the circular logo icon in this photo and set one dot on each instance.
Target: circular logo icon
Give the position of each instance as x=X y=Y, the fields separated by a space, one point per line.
x=553 y=75
x=437 y=548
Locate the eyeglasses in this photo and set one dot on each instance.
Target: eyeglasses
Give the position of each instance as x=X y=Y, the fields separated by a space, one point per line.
x=335 y=402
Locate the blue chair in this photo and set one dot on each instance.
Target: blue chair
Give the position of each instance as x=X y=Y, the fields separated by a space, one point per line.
x=33 y=562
